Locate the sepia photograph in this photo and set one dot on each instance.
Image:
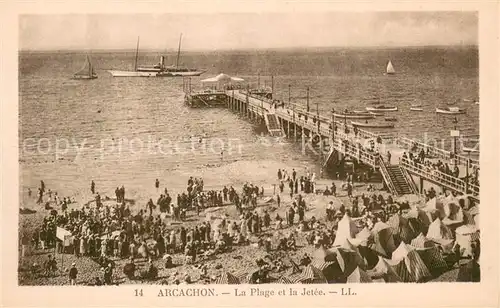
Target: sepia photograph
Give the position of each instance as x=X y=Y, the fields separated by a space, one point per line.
x=335 y=147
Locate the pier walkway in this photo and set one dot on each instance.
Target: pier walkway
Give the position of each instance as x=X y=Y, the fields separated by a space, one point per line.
x=343 y=140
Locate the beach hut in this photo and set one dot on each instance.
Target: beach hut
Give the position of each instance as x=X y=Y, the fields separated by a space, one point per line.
x=465 y=235
x=409 y=265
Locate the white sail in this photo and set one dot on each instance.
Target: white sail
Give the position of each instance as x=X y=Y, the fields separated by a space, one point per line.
x=390 y=68
x=87 y=71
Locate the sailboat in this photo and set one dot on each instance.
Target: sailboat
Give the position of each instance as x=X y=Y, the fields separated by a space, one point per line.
x=87 y=71
x=158 y=70
x=390 y=69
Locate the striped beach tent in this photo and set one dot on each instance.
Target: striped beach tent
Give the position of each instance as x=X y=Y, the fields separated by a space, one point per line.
x=383 y=239
x=433 y=259
x=406 y=257
x=384 y=270
x=310 y=274
x=227 y=278
x=359 y=276
x=324 y=255
x=286 y=280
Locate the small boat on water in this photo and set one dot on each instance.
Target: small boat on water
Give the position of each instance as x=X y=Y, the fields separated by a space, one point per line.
x=416 y=109
x=381 y=109
x=373 y=125
x=352 y=115
x=450 y=110
x=87 y=71
x=390 y=119
x=390 y=69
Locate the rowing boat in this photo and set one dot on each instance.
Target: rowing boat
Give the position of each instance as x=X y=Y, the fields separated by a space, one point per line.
x=450 y=110
x=416 y=109
x=391 y=119
x=373 y=125
x=381 y=109
x=358 y=116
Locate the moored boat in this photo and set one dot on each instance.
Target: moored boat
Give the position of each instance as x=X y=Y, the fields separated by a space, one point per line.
x=373 y=125
x=359 y=116
x=158 y=70
x=450 y=110
x=381 y=109
x=416 y=109
x=390 y=119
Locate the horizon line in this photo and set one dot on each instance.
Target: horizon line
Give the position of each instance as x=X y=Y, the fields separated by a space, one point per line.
x=168 y=50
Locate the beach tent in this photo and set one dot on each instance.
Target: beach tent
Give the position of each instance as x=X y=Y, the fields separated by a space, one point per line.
x=409 y=262
x=384 y=270
x=433 y=259
x=383 y=239
x=465 y=235
x=220 y=81
x=401 y=229
x=435 y=208
x=322 y=258
x=359 y=276
x=285 y=280
x=347 y=229
x=311 y=274
x=421 y=241
x=363 y=237
x=469 y=272
x=348 y=259
x=438 y=231
x=227 y=278
x=453 y=211
x=330 y=267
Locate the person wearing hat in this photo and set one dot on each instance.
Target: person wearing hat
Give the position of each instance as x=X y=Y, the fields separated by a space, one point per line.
x=73 y=272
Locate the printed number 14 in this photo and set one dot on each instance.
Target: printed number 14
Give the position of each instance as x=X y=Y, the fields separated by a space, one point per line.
x=138 y=292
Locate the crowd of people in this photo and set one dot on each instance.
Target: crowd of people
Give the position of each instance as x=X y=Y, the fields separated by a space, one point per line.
x=107 y=230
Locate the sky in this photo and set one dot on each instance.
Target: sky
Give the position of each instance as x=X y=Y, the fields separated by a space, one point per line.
x=246 y=30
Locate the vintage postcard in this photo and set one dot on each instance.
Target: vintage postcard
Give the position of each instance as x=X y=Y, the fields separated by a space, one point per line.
x=231 y=154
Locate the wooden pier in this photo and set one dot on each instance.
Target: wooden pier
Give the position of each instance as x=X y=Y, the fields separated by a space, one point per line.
x=341 y=140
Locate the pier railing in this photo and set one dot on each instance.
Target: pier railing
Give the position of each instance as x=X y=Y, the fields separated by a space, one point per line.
x=439 y=177
x=349 y=143
x=410 y=144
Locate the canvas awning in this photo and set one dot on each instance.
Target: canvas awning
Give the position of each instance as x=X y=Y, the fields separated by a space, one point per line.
x=222 y=79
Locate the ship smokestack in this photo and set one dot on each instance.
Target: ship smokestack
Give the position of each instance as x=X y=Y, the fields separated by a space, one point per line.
x=162 y=61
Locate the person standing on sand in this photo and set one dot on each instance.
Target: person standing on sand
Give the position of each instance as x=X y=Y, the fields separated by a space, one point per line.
x=73 y=272
x=157 y=184
x=278 y=200
x=92 y=187
x=29 y=192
